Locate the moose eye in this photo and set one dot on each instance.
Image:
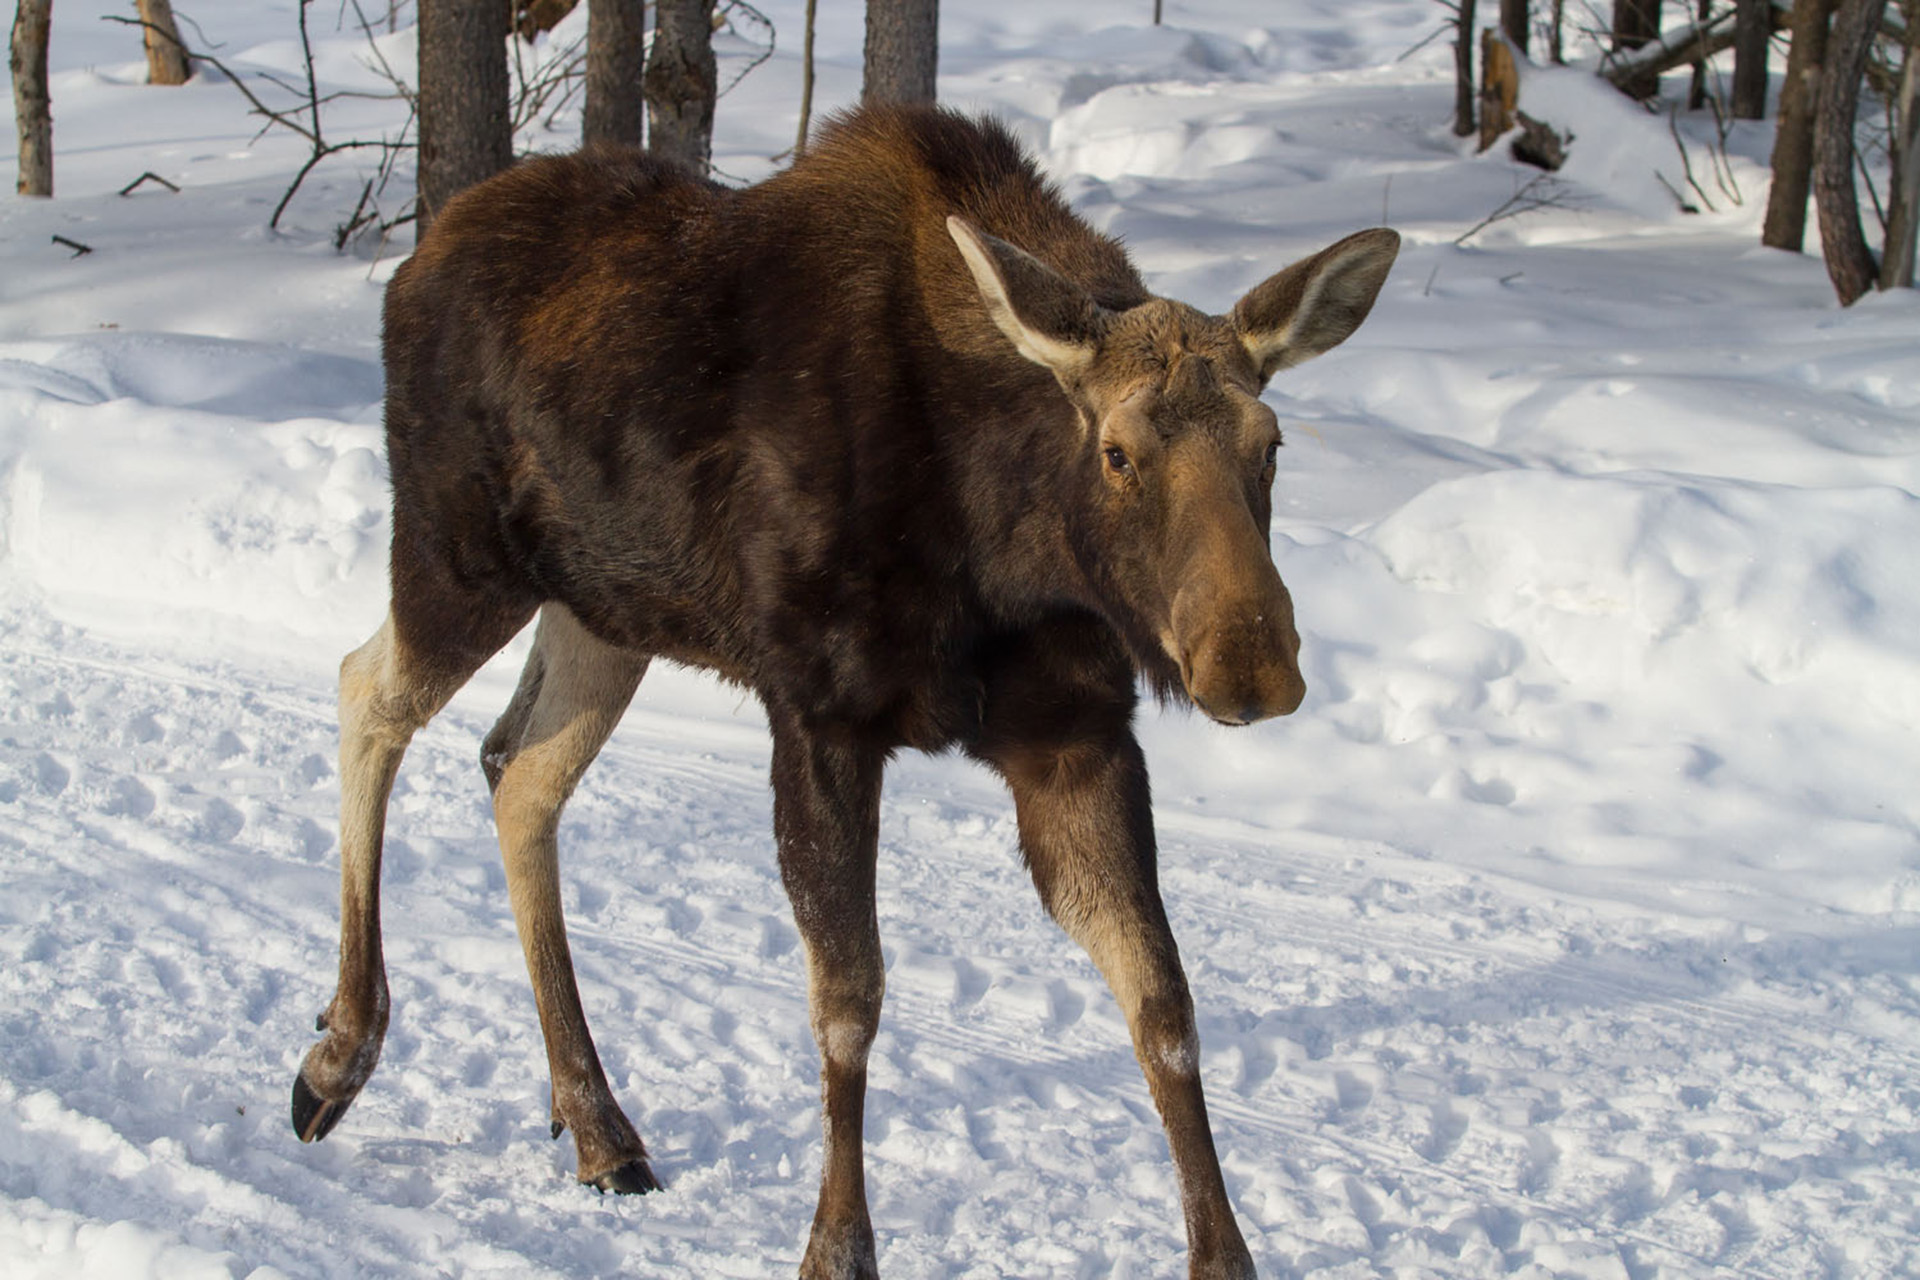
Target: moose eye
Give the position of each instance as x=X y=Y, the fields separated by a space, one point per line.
x=1273 y=454
x=1117 y=461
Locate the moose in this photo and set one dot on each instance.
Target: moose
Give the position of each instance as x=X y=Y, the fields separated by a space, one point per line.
x=892 y=439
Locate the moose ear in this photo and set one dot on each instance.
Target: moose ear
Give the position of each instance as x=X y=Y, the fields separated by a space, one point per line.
x=1049 y=319
x=1315 y=304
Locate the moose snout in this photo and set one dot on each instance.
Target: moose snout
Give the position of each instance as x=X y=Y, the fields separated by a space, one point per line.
x=1246 y=667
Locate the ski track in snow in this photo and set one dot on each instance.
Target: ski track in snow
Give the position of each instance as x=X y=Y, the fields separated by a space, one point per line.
x=1408 y=1065
x=1570 y=930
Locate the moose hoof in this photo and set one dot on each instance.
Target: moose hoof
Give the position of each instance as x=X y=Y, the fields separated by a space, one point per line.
x=313 y=1115
x=634 y=1178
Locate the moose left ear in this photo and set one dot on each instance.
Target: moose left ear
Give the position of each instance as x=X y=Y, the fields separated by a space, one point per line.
x=1315 y=304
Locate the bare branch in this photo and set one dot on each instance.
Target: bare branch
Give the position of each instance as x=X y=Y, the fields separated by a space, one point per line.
x=274 y=117
x=1543 y=191
x=148 y=176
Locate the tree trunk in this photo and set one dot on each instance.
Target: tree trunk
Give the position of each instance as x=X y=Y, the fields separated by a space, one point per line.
x=1635 y=23
x=1556 y=54
x=1849 y=261
x=32 y=108
x=682 y=81
x=1697 y=90
x=903 y=51
x=1786 y=224
x=1903 y=204
x=616 y=109
x=1465 y=91
x=1515 y=18
x=1752 y=32
x=806 y=82
x=465 y=132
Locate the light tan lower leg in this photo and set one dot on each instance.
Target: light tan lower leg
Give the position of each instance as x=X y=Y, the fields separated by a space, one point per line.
x=571 y=697
x=1089 y=842
x=384 y=698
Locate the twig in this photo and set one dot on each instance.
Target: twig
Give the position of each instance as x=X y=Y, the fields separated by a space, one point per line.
x=355 y=221
x=1717 y=153
x=1543 y=191
x=1686 y=161
x=1426 y=40
x=79 y=250
x=1675 y=193
x=148 y=176
x=755 y=18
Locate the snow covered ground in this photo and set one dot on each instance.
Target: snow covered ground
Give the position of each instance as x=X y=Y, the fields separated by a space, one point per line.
x=1571 y=928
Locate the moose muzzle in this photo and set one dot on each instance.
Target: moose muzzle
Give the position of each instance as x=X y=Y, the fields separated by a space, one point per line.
x=1239 y=656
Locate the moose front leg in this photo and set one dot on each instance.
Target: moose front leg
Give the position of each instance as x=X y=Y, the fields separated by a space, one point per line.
x=826 y=818
x=1079 y=784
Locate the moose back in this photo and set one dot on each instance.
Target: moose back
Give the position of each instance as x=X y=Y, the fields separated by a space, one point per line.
x=893 y=440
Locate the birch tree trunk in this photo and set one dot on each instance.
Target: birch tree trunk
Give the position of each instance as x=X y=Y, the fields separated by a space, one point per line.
x=166 y=54
x=682 y=82
x=32 y=108
x=1849 y=261
x=903 y=51
x=1786 y=223
x=616 y=110
x=465 y=132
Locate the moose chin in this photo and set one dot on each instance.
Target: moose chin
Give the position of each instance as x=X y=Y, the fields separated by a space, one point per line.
x=893 y=440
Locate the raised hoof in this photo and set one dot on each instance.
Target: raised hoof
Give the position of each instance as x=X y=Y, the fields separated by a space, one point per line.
x=633 y=1178
x=314 y=1116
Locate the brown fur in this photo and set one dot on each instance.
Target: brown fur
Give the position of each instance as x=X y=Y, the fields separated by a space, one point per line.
x=893 y=440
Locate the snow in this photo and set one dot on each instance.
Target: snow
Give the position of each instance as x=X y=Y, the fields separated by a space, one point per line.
x=1570 y=929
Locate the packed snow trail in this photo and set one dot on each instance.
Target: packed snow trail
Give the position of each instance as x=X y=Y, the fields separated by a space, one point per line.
x=1571 y=928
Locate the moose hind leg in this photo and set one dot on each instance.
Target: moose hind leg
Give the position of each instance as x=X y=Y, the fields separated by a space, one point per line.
x=826 y=817
x=571 y=695
x=388 y=690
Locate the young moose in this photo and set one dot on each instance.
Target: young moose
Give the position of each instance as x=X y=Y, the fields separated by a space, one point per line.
x=893 y=440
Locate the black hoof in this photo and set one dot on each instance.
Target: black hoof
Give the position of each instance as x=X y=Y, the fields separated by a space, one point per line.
x=633 y=1178
x=313 y=1116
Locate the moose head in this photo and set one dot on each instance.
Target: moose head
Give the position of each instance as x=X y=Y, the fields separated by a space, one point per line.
x=1176 y=455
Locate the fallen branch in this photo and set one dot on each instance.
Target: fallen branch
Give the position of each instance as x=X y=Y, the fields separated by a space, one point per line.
x=79 y=250
x=1694 y=41
x=148 y=176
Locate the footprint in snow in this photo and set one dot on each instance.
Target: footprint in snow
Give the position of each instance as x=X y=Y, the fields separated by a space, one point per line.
x=1350 y=1091
x=1449 y=1127
x=127 y=797
x=970 y=983
x=1067 y=1004
x=49 y=775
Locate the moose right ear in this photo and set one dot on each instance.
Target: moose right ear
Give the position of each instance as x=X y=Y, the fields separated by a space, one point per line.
x=1049 y=319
